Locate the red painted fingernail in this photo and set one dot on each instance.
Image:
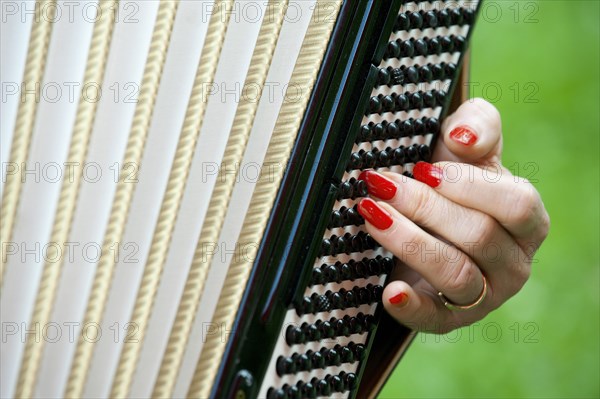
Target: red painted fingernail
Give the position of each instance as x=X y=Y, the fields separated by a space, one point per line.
x=378 y=185
x=374 y=214
x=400 y=299
x=463 y=135
x=428 y=174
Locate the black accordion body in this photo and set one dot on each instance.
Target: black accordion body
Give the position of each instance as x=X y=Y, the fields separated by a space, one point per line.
x=310 y=323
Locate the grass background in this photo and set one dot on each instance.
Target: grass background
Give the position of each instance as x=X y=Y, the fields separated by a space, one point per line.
x=538 y=62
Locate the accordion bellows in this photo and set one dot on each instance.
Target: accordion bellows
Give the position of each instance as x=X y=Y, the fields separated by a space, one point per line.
x=180 y=219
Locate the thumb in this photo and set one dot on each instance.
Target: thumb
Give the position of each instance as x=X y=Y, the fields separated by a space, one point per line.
x=472 y=134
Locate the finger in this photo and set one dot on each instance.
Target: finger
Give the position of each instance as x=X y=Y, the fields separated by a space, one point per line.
x=511 y=200
x=442 y=265
x=415 y=309
x=473 y=133
x=473 y=232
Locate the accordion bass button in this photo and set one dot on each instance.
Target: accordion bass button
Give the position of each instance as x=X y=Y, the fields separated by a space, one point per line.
x=387 y=264
x=407 y=48
x=447 y=45
x=359 y=351
x=331 y=273
x=425 y=74
x=337 y=300
x=350 y=380
x=314 y=333
x=346 y=272
x=370 y=322
x=421 y=47
x=433 y=124
x=402 y=23
x=275 y=393
x=459 y=43
x=419 y=127
x=412 y=74
x=309 y=390
x=333 y=357
x=398 y=156
x=324 y=388
x=325 y=247
x=430 y=19
x=383 y=76
x=282 y=365
x=456 y=17
x=443 y=18
x=327 y=330
x=337 y=383
x=392 y=128
x=291 y=335
x=342 y=329
x=392 y=51
x=377 y=293
x=318 y=360
x=336 y=219
x=450 y=70
x=293 y=392
x=317 y=276
x=468 y=15
x=347 y=355
x=416 y=20
x=413 y=153
x=424 y=152
x=355 y=161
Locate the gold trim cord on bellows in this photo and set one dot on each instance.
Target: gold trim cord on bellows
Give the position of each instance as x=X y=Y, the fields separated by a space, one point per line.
x=37 y=51
x=180 y=168
x=155 y=61
x=82 y=130
x=283 y=138
x=219 y=201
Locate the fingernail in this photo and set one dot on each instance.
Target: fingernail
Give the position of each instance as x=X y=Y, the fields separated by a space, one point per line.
x=378 y=185
x=428 y=174
x=374 y=214
x=463 y=135
x=400 y=299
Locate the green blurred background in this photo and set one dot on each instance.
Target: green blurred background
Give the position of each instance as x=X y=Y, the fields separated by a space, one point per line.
x=538 y=62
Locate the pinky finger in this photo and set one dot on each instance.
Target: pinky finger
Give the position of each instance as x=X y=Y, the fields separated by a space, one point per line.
x=414 y=308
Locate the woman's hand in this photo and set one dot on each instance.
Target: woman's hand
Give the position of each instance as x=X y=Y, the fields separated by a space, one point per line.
x=461 y=224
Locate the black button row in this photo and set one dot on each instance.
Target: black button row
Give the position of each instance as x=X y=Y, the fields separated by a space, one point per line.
x=341 y=299
x=329 y=329
x=316 y=387
x=424 y=47
x=413 y=74
x=351 y=270
x=345 y=217
x=352 y=189
x=376 y=159
x=319 y=360
x=347 y=244
x=397 y=129
x=407 y=101
x=433 y=19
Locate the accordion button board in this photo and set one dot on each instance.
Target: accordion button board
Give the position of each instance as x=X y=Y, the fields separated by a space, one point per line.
x=311 y=308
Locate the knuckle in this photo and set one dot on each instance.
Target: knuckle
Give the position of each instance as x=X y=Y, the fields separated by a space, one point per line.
x=523 y=203
x=483 y=229
x=459 y=274
x=425 y=206
x=544 y=226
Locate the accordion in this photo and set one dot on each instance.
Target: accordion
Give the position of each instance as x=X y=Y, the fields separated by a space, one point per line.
x=179 y=192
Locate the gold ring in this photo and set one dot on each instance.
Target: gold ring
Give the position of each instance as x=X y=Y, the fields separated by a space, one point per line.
x=452 y=306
